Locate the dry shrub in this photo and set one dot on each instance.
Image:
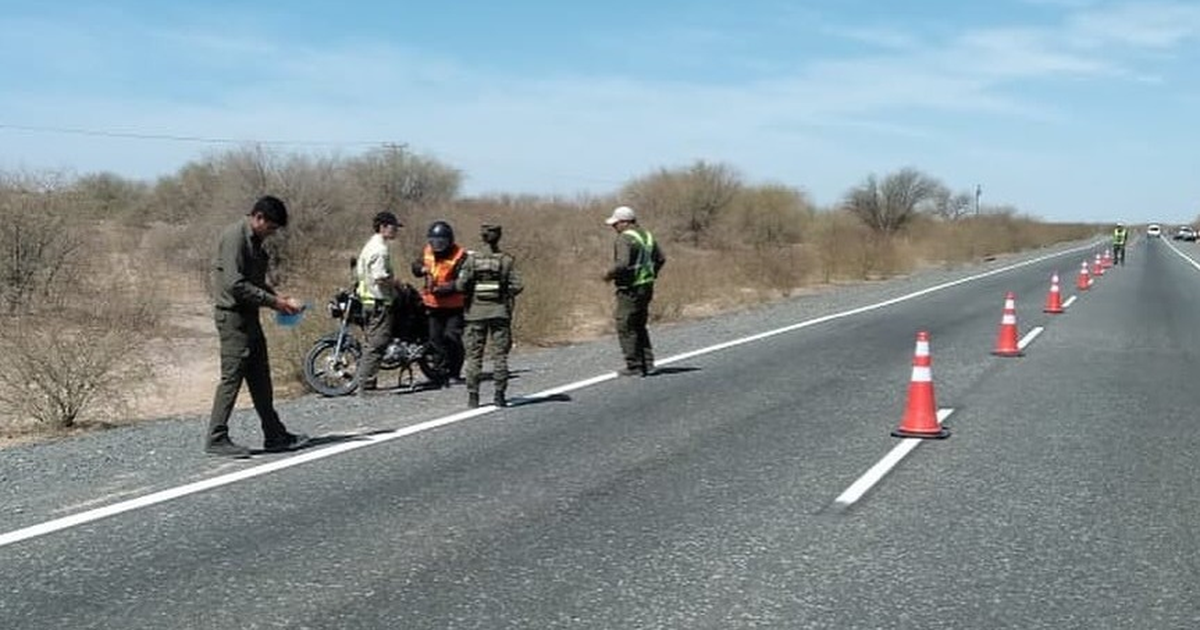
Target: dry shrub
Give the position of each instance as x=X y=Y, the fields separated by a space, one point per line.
x=60 y=371
x=843 y=247
x=38 y=245
x=766 y=217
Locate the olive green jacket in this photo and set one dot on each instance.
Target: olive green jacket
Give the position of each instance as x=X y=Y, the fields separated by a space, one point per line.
x=239 y=271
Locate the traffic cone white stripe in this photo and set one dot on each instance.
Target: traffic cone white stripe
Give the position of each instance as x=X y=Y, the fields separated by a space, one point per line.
x=922 y=374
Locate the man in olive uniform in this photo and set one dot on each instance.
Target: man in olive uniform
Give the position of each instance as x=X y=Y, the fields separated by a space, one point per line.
x=637 y=260
x=240 y=289
x=377 y=288
x=490 y=281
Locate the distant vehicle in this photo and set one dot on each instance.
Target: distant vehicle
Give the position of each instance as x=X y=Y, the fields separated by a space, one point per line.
x=1185 y=233
x=1154 y=230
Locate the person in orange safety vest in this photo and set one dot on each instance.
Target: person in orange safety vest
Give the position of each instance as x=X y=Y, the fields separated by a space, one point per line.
x=440 y=263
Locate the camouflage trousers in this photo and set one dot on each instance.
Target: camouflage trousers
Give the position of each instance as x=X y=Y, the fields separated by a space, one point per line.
x=476 y=339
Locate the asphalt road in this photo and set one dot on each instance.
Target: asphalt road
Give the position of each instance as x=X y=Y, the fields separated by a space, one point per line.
x=703 y=497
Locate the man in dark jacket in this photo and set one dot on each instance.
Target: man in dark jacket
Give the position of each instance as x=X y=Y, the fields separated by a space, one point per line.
x=240 y=289
x=637 y=260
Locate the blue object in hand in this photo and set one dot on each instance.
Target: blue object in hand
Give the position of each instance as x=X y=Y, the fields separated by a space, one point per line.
x=288 y=320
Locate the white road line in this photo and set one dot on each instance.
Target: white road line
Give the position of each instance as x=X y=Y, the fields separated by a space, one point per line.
x=305 y=457
x=1182 y=255
x=1029 y=337
x=1069 y=301
x=873 y=476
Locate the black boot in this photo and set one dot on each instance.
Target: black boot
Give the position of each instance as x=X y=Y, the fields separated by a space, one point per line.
x=472 y=399
x=499 y=400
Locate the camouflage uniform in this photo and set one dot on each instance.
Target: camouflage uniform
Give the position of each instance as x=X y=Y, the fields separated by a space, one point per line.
x=491 y=282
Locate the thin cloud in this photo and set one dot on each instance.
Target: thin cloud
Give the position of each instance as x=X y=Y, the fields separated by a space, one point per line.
x=879 y=37
x=1154 y=25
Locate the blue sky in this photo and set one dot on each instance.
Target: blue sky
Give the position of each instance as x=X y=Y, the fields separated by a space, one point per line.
x=1066 y=109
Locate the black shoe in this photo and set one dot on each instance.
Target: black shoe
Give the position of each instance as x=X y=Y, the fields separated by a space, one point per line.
x=472 y=399
x=499 y=400
x=629 y=371
x=285 y=443
x=226 y=448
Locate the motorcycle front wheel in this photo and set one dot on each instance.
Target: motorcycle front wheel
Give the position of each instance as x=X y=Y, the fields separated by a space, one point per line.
x=331 y=371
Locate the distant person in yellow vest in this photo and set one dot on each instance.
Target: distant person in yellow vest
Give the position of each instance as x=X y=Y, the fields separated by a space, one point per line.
x=491 y=283
x=1119 y=237
x=637 y=261
x=440 y=264
x=377 y=287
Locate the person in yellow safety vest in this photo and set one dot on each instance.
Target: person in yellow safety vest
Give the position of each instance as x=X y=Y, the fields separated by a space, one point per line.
x=377 y=287
x=637 y=261
x=440 y=264
x=1119 y=237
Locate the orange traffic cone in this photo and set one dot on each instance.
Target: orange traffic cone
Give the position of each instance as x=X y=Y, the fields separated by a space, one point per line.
x=1097 y=266
x=1054 y=298
x=920 y=418
x=1006 y=343
x=1107 y=261
x=1085 y=281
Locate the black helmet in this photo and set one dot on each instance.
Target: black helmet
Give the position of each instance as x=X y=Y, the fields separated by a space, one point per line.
x=441 y=236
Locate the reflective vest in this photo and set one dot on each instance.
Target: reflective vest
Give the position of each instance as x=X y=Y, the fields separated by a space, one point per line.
x=643 y=270
x=1119 y=235
x=368 y=291
x=441 y=271
x=490 y=283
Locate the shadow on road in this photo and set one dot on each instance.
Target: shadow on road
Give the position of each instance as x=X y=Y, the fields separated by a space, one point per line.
x=521 y=401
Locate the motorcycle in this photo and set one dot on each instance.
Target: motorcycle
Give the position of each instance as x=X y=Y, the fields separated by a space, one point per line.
x=331 y=365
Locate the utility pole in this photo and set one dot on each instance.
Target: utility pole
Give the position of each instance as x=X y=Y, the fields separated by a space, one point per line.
x=978 y=192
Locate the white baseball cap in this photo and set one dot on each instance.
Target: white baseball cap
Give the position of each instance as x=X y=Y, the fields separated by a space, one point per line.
x=621 y=213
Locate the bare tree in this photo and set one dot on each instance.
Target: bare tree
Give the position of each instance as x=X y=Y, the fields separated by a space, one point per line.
x=689 y=200
x=394 y=178
x=887 y=206
x=949 y=205
x=37 y=246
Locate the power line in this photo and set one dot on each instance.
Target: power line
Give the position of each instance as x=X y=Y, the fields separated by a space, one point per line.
x=79 y=131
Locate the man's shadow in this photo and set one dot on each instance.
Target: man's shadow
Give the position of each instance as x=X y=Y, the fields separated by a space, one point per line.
x=521 y=401
x=325 y=440
x=667 y=371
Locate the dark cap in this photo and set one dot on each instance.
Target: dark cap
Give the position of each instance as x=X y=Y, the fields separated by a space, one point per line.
x=490 y=232
x=384 y=218
x=272 y=209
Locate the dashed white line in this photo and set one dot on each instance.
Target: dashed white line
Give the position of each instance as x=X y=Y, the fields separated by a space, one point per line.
x=876 y=473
